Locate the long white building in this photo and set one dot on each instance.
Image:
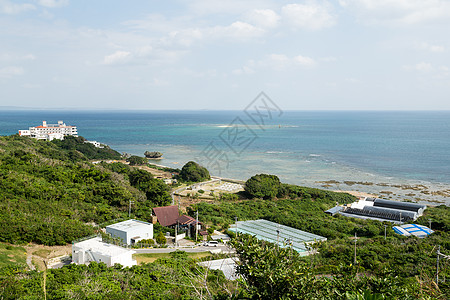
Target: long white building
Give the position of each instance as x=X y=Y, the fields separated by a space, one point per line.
x=95 y=250
x=50 y=131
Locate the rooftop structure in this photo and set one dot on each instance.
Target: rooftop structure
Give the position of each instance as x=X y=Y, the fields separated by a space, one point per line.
x=167 y=215
x=226 y=265
x=94 y=249
x=334 y=210
x=50 y=131
x=131 y=231
x=279 y=234
x=413 y=229
x=384 y=210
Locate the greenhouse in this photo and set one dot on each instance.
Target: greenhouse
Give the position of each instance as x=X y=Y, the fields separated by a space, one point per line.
x=284 y=236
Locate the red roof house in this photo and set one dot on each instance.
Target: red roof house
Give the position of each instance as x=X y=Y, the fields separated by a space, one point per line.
x=167 y=215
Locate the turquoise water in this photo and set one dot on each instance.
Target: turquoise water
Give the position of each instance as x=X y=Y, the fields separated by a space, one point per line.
x=299 y=147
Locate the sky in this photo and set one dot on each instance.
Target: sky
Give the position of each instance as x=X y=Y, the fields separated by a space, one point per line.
x=219 y=55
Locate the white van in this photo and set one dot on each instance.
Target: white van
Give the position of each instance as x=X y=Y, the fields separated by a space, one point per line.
x=211 y=244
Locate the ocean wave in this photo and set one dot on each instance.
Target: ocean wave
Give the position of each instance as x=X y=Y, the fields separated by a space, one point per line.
x=314 y=155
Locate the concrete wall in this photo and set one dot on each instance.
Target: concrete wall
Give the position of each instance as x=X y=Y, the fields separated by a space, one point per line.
x=125 y=236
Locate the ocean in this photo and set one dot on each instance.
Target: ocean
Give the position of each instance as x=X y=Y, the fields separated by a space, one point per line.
x=394 y=154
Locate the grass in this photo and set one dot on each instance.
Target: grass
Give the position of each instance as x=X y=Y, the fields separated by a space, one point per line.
x=12 y=255
x=44 y=253
x=143 y=258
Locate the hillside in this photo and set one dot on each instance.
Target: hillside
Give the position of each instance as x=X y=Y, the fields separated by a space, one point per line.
x=50 y=194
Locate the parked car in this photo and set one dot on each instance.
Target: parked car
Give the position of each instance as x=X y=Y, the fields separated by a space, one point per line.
x=211 y=244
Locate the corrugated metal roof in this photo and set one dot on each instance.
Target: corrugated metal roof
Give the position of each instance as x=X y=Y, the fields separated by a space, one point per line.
x=270 y=231
x=413 y=229
x=334 y=210
x=167 y=215
x=186 y=220
x=418 y=208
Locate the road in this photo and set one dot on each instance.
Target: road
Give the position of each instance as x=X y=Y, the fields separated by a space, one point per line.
x=223 y=248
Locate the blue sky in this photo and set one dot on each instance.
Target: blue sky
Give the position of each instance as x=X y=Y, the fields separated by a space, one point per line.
x=210 y=54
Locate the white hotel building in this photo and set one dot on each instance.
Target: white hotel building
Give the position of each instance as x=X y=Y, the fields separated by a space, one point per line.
x=50 y=131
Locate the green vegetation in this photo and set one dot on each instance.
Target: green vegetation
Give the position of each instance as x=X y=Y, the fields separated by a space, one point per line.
x=173 y=277
x=136 y=160
x=263 y=186
x=193 y=172
x=49 y=193
x=12 y=256
x=160 y=238
x=75 y=145
x=408 y=258
x=271 y=272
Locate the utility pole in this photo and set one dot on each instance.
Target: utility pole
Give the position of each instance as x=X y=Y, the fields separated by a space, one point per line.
x=437 y=265
x=429 y=222
x=354 y=261
x=129 y=209
x=235 y=219
x=196 y=226
x=278 y=234
x=385 y=231
x=400 y=218
x=176 y=233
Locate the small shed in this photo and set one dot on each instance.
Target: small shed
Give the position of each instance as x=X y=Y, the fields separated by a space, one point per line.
x=131 y=231
x=334 y=210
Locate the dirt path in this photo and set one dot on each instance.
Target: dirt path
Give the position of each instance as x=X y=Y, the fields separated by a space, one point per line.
x=37 y=254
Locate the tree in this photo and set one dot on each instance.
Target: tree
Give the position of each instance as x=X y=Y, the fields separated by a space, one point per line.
x=263 y=186
x=136 y=160
x=192 y=171
x=161 y=239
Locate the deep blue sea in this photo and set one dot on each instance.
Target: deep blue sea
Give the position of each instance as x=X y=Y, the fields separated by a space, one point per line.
x=300 y=147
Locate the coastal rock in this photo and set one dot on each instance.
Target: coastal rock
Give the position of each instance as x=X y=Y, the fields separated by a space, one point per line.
x=153 y=154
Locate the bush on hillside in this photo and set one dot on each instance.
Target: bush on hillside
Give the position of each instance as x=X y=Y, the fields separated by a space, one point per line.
x=193 y=172
x=263 y=186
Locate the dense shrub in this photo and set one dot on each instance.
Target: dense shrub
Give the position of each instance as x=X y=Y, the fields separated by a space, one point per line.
x=193 y=172
x=263 y=186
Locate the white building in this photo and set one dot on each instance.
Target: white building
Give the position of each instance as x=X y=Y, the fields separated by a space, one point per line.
x=131 y=231
x=50 y=131
x=95 y=143
x=95 y=250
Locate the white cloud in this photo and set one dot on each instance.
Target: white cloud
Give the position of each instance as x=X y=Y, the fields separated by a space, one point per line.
x=10 y=71
x=423 y=67
x=398 y=11
x=209 y=7
x=304 y=61
x=237 y=30
x=429 y=70
x=53 y=3
x=311 y=16
x=277 y=62
x=265 y=18
x=9 y=8
x=431 y=48
x=118 y=57
x=8 y=57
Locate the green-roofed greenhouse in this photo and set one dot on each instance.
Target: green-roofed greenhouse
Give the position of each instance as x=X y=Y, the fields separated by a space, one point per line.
x=275 y=233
